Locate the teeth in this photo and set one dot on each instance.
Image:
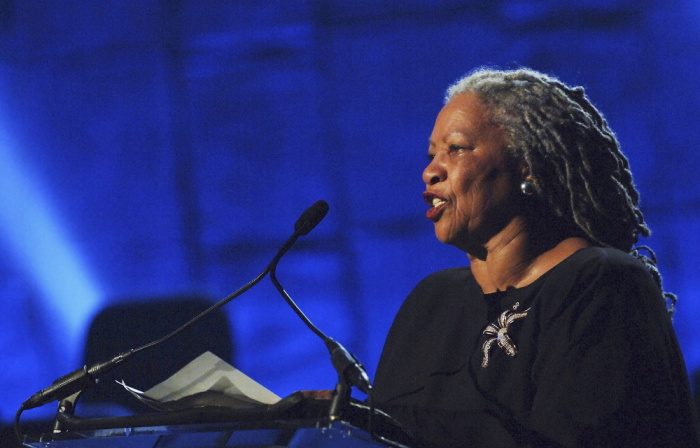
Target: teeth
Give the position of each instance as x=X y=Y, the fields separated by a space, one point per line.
x=437 y=201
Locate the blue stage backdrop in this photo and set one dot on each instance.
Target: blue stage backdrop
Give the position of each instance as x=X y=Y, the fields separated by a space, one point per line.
x=154 y=149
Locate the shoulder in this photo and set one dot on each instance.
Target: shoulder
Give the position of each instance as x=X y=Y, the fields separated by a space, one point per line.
x=439 y=293
x=447 y=278
x=442 y=285
x=604 y=278
x=603 y=256
x=595 y=264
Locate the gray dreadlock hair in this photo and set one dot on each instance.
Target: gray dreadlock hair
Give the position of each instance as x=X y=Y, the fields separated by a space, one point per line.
x=578 y=170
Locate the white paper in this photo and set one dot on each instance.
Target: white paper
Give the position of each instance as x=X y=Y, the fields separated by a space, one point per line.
x=208 y=372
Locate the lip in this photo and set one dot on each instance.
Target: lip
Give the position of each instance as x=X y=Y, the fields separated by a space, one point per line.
x=434 y=213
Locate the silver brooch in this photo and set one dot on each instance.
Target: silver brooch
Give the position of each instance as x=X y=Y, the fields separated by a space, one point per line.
x=499 y=331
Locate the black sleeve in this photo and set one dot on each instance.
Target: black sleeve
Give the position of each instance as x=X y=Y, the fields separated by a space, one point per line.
x=427 y=328
x=610 y=372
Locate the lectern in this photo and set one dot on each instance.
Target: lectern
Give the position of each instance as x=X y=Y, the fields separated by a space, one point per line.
x=296 y=421
x=339 y=434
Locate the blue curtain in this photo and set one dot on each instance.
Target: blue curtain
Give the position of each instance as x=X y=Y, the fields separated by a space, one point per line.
x=153 y=148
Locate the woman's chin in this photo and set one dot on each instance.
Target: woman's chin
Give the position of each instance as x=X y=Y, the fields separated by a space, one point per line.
x=448 y=238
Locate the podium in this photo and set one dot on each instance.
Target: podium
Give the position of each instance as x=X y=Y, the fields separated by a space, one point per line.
x=339 y=434
x=294 y=422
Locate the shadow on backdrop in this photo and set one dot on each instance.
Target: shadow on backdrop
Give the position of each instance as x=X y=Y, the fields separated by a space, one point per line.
x=133 y=323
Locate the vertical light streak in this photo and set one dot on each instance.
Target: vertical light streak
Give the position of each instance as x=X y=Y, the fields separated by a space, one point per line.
x=41 y=247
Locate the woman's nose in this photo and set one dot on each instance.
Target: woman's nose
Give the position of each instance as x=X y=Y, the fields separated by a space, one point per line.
x=434 y=172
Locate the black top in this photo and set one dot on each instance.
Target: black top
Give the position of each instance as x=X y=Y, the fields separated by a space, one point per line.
x=584 y=356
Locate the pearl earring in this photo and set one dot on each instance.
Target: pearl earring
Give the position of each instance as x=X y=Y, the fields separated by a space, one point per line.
x=527 y=188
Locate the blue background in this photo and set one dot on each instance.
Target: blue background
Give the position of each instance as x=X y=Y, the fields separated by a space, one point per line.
x=154 y=148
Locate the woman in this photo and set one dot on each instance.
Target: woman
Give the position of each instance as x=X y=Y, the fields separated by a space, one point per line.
x=558 y=333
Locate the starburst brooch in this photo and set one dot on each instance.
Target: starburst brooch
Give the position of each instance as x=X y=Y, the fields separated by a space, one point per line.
x=499 y=331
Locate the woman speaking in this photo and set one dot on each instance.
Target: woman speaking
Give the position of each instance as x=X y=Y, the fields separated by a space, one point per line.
x=559 y=332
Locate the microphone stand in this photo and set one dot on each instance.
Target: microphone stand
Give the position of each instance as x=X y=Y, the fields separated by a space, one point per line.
x=67 y=388
x=341 y=398
x=350 y=371
x=66 y=410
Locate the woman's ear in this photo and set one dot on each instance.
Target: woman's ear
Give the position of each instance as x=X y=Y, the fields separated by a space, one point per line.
x=525 y=175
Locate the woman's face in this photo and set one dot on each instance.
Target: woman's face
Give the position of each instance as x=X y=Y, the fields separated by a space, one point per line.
x=471 y=184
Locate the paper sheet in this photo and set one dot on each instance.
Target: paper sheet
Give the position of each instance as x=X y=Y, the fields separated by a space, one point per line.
x=207 y=373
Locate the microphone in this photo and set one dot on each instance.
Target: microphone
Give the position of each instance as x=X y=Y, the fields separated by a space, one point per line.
x=74 y=382
x=85 y=377
x=311 y=217
x=347 y=366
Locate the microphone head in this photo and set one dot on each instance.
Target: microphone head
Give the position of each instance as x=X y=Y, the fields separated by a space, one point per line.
x=311 y=217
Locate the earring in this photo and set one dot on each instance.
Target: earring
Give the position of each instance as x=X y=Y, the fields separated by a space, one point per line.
x=527 y=188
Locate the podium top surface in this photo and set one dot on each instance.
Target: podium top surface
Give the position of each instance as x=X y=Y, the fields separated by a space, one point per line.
x=288 y=433
x=294 y=422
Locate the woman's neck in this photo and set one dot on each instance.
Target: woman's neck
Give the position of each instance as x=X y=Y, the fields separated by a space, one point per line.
x=516 y=257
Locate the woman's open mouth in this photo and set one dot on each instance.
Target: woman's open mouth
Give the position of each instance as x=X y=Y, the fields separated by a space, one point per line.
x=437 y=205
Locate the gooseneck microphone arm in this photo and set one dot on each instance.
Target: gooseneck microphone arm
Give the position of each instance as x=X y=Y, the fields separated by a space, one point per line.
x=85 y=377
x=350 y=371
x=347 y=366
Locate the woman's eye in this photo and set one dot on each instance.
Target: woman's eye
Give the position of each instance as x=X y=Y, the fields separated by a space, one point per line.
x=457 y=148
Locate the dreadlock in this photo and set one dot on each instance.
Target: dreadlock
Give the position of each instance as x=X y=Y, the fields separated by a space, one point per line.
x=578 y=170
